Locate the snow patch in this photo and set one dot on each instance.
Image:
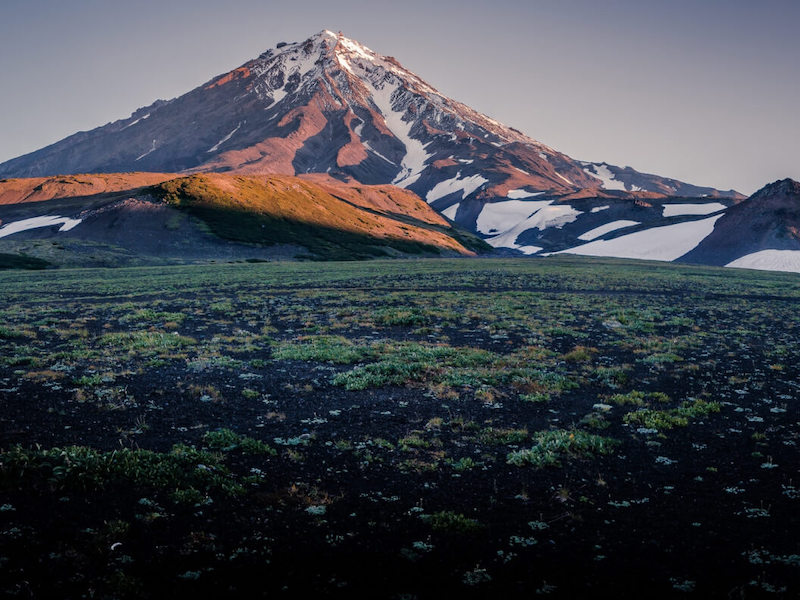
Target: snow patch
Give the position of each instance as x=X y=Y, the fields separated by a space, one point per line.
x=770 y=260
x=376 y=153
x=657 y=243
x=671 y=210
x=603 y=229
x=520 y=193
x=448 y=186
x=225 y=139
x=597 y=209
x=602 y=172
x=450 y=211
x=36 y=222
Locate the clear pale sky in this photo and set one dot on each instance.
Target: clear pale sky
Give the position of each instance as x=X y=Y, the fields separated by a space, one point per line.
x=706 y=91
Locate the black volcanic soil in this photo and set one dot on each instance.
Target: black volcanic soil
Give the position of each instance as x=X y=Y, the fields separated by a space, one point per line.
x=402 y=490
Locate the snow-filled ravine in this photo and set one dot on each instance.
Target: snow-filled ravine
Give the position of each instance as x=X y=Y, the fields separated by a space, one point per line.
x=413 y=162
x=37 y=222
x=666 y=243
x=225 y=139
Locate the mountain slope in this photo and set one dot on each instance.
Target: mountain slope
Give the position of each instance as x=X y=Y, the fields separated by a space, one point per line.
x=288 y=210
x=330 y=105
x=768 y=221
x=115 y=219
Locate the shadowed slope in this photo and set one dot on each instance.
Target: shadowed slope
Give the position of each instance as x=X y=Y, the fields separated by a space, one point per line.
x=283 y=209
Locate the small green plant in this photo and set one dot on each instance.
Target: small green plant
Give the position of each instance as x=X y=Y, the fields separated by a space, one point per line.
x=553 y=446
x=595 y=420
x=580 y=354
x=323 y=348
x=451 y=522
x=89 y=380
x=661 y=358
x=535 y=397
x=637 y=398
x=6 y=333
x=222 y=307
x=500 y=436
x=463 y=464
x=148 y=315
x=408 y=362
x=226 y=440
x=188 y=496
x=145 y=340
x=412 y=442
x=676 y=417
x=612 y=377
x=401 y=317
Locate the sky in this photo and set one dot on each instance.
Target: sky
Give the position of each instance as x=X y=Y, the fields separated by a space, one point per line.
x=705 y=91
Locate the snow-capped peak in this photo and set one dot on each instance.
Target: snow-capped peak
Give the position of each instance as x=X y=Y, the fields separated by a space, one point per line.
x=329 y=104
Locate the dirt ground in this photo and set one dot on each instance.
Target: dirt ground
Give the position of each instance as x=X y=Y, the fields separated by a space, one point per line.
x=400 y=429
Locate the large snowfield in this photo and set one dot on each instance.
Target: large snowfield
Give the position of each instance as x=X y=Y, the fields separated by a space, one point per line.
x=658 y=243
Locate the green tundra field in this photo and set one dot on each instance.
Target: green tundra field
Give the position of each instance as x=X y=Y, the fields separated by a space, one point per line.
x=404 y=429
